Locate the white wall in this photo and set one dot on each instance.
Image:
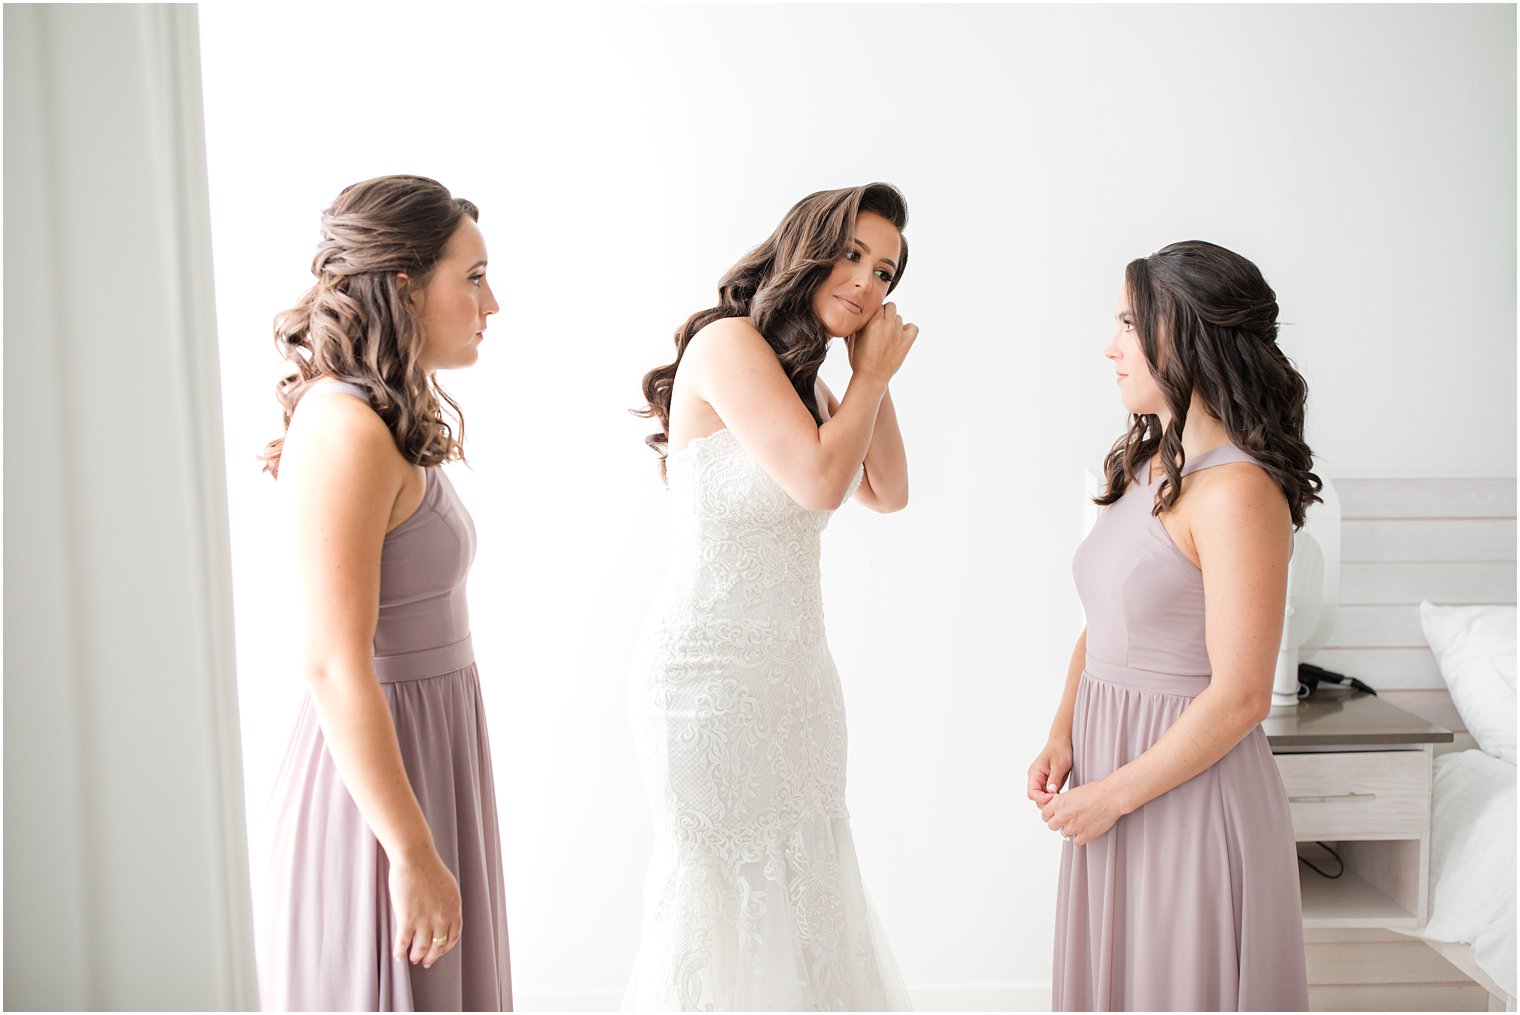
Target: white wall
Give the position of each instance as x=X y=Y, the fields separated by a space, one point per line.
x=625 y=156
x=125 y=849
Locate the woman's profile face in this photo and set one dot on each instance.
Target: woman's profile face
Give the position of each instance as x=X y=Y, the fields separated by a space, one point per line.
x=456 y=301
x=855 y=288
x=1137 y=386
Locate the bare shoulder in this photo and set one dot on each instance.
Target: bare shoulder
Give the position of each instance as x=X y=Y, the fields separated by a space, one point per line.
x=1236 y=499
x=731 y=339
x=331 y=431
x=1238 y=486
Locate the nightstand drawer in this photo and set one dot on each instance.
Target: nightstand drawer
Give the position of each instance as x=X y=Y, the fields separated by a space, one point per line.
x=1357 y=795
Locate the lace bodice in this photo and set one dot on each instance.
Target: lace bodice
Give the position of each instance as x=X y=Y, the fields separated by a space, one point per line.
x=741 y=548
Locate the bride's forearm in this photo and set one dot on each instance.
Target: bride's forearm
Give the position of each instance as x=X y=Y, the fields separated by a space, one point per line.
x=886 y=461
x=845 y=440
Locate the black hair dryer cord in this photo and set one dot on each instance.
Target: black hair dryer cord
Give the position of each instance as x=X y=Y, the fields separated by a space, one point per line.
x=1310 y=677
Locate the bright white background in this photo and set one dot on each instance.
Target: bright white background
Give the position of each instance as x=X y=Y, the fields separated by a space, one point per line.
x=625 y=156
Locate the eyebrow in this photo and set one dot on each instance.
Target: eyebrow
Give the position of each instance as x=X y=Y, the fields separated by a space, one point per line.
x=867 y=249
x=477 y=264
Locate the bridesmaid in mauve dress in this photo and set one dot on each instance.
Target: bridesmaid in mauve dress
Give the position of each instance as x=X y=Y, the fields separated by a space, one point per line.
x=1178 y=887
x=386 y=888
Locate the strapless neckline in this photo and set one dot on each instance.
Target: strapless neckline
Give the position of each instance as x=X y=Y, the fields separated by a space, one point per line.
x=695 y=443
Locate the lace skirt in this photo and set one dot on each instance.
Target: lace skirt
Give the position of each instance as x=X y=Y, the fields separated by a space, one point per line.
x=754 y=899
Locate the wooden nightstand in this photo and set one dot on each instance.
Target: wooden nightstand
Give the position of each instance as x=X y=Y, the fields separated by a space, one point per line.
x=1357 y=772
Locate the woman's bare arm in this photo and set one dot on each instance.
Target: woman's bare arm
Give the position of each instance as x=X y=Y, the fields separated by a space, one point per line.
x=731 y=367
x=342 y=475
x=884 y=486
x=1049 y=771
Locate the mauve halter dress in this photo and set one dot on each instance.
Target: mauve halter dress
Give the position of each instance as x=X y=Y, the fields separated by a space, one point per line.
x=326 y=943
x=1191 y=903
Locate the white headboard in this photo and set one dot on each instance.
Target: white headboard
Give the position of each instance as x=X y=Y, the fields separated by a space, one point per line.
x=1451 y=541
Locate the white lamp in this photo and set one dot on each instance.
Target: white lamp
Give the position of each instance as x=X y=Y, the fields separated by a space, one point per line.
x=1314 y=594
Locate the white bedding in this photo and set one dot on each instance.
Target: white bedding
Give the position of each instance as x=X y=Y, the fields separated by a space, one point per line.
x=1472 y=860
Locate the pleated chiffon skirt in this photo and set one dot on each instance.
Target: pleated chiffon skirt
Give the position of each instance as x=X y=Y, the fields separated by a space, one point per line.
x=1191 y=903
x=327 y=943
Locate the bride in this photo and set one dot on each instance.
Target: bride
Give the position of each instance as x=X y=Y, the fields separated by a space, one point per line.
x=754 y=899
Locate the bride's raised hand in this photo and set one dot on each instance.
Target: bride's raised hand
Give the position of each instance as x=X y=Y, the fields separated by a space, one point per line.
x=879 y=348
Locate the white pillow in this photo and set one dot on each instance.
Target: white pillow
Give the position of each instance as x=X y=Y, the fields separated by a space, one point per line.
x=1475 y=648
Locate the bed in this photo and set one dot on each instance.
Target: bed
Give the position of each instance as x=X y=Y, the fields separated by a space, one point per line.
x=1472 y=905
x=1472 y=849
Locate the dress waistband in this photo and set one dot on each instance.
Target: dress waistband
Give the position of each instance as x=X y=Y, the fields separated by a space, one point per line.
x=429 y=662
x=1185 y=684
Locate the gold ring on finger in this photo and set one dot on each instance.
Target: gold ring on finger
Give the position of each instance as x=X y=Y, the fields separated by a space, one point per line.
x=440 y=940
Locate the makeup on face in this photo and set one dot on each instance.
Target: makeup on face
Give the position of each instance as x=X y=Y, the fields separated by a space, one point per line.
x=456 y=301
x=1137 y=386
x=858 y=284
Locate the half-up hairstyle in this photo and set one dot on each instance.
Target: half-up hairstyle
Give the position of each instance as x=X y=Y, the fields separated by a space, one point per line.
x=1208 y=318
x=774 y=286
x=357 y=325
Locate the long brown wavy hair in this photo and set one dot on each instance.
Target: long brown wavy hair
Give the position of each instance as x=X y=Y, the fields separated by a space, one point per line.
x=774 y=285
x=357 y=325
x=1208 y=317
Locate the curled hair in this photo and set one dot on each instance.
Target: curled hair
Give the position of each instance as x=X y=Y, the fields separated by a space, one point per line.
x=1218 y=317
x=774 y=285
x=357 y=325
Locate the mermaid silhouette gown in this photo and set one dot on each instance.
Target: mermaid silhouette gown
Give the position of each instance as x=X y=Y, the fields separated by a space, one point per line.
x=1190 y=903
x=327 y=939
x=754 y=899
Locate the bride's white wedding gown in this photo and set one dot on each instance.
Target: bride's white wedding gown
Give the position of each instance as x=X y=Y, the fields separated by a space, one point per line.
x=754 y=899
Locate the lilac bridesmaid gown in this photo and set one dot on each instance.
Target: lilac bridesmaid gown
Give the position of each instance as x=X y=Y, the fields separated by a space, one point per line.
x=327 y=942
x=1190 y=903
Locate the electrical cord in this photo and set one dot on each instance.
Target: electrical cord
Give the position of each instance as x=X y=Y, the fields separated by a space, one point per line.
x=1321 y=873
